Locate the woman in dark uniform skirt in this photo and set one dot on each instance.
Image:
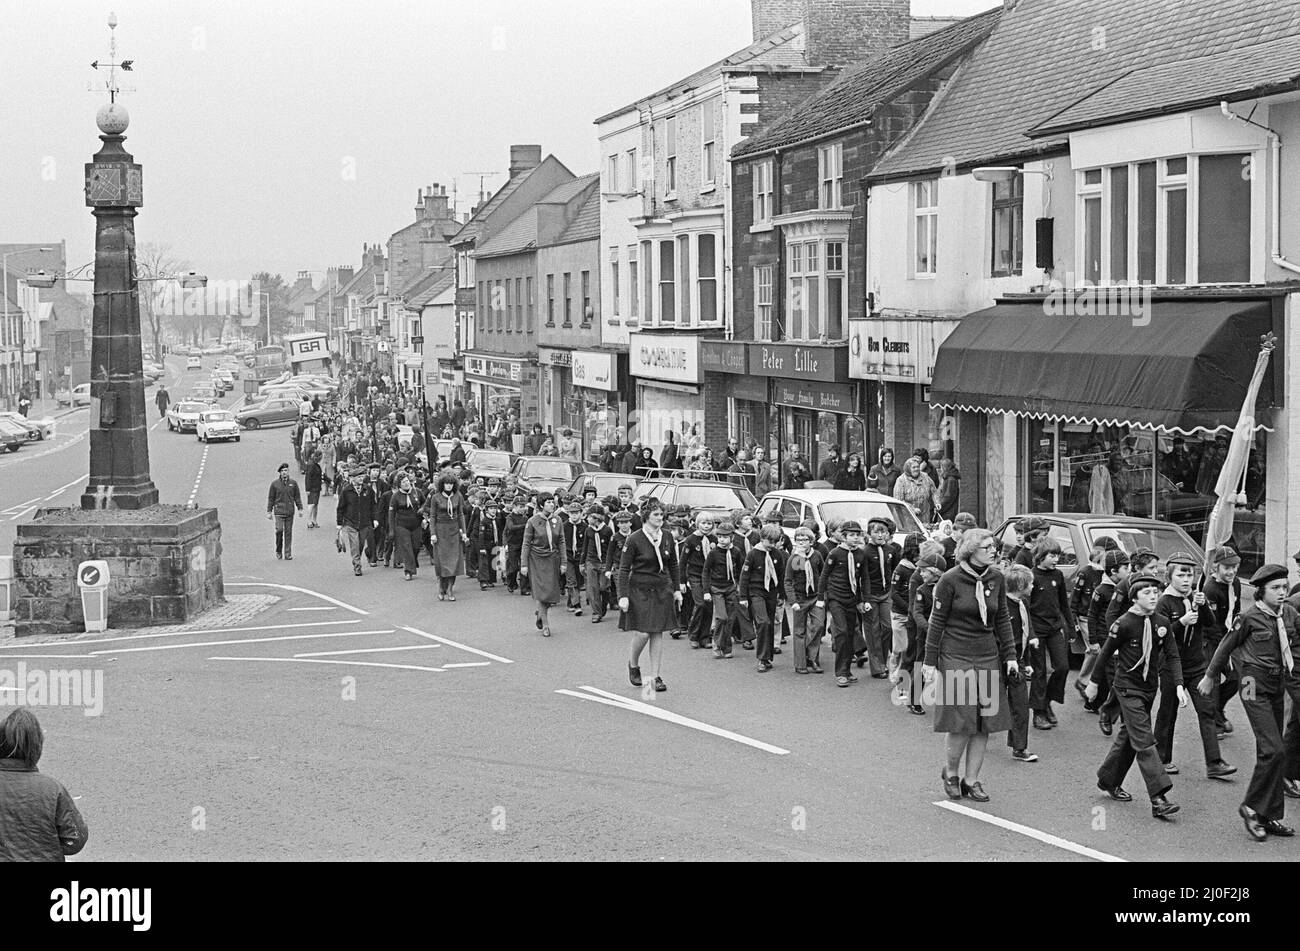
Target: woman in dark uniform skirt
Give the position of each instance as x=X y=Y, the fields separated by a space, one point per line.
x=543 y=558
x=649 y=592
x=445 y=510
x=967 y=649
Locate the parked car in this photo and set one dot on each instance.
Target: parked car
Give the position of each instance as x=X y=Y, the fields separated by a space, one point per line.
x=606 y=483
x=307 y=389
x=492 y=464
x=217 y=424
x=194 y=363
x=270 y=412
x=1077 y=532
x=203 y=392
x=12 y=436
x=37 y=429
x=699 y=495
x=797 y=506
x=79 y=395
x=184 y=415
x=213 y=349
x=545 y=473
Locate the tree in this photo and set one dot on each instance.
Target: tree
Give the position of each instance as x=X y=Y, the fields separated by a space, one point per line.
x=154 y=261
x=273 y=285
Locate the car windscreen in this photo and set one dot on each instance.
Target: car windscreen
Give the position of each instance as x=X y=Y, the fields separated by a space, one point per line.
x=544 y=469
x=192 y=408
x=714 y=496
x=218 y=417
x=494 y=460
x=861 y=510
x=1164 y=540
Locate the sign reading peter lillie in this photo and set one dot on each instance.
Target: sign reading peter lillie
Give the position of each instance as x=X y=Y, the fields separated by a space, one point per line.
x=674 y=358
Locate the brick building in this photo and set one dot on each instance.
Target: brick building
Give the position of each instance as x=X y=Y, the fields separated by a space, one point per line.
x=799 y=254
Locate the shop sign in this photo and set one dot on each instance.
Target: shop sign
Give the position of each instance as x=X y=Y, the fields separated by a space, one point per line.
x=900 y=351
x=796 y=362
x=671 y=357
x=723 y=356
x=504 y=370
x=593 y=370
x=821 y=398
x=548 y=356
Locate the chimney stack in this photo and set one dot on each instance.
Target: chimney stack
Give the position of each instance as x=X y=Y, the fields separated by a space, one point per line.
x=851 y=31
x=524 y=158
x=435 y=203
x=772 y=16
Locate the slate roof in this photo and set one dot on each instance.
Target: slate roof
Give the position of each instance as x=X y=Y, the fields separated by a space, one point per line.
x=924 y=26
x=521 y=234
x=854 y=97
x=429 y=287
x=586 y=224
x=1232 y=75
x=474 y=227
x=1044 y=54
x=784 y=48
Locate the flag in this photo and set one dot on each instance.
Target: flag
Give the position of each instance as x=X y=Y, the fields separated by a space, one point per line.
x=1228 y=489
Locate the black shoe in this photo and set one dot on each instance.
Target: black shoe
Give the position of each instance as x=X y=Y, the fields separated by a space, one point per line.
x=776 y=650
x=288 y=557
x=916 y=710
x=676 y=635
x=1162 y=808
x=1051 y=717
x=1171 y=769
x=974 y=791
x=660 y=686
x=764 y=666
x=1219 y=770
x=1291 y=787
x=1024 y=756
x=1254 y=825
x=1106 y=727
x=1117 y=793
x=747 y=645
x=278 y=555
x=1090 y=707
x=634 y=675
x=1275 y=827
x=852 y=679
x=357 y=572
x=951 y=784
x=1041 y=722
x=538 y=617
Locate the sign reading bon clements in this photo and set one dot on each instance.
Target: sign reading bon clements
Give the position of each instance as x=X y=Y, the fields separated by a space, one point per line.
x=674 y=358
x=900 y=351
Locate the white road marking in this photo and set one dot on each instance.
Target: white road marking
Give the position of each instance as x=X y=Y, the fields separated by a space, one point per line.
x=636 y=706
x=199 y=478
x=312 y=609
x=250 y=640
x=477 y=663
x=218 y=630
x=22 y=513
x=464 y=647
x=46 y=656
x=59 y=491
x=290 y=587
x=22 y=504
x=380 y=650
x=1044 y=837
x=344 y=663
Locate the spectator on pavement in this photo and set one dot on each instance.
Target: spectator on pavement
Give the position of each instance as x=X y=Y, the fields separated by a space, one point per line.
x=282 y=499
x=39 y=822
x=884 y=474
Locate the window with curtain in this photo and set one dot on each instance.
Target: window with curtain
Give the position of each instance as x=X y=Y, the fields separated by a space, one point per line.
x=925 y=212
x=667 y=282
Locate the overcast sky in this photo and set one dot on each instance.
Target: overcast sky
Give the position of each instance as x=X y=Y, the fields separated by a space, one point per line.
x=248 y=114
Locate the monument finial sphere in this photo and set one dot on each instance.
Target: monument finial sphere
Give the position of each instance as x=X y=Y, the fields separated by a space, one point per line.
x=112 y=21
x=112 y=118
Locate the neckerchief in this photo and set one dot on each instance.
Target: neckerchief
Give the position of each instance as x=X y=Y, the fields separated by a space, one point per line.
x=803 y=561
x=769 y=571
x=1025 y=627
x=1284 y=640
x=979 y=591
x=655 y=540
x=598 y=555
x=852 y=565
x=730 y=576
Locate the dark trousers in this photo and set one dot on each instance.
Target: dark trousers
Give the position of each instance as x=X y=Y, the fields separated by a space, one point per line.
x=807 y=626
x=472 y=559
x=373 y=538
x=723 y=630
x=762 y=609
x=1224 y=691
x=406 y=543
x=595 y=577
x=485 y=569
x=513 y=578
x=1292 y=739
x=1134 y=740
x=1265 y=708
x=284 y=534
x=573 y=580
x=697 y=629
x=1045 y=688
x=879 y=633
x=1018 y=699
x=844 y=633
x=744 y=626
x=1167 y=717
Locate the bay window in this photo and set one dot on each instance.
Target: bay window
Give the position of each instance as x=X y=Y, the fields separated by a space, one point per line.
x=706 y=272
x=816 y=291
x=684 y=283
x=667 y=286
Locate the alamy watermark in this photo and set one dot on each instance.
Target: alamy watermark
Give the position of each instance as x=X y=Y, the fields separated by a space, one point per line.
x=21 y=686
x=1085 y=299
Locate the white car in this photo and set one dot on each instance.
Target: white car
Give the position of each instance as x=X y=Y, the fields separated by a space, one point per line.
x=217 y=424
x=43 y=428
x=185 y=415
x=822 y=505
x=79 y=395
x=194 y=363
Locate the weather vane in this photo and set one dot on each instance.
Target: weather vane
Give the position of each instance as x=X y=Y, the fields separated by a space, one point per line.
x=112 y=66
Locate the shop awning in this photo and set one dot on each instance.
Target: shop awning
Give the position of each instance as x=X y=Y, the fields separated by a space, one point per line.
x=1185 y=371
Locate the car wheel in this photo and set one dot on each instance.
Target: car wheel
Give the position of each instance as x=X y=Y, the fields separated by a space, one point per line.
x=14 y=447
x=253 y=423
x=170 y=427
x=236 y=439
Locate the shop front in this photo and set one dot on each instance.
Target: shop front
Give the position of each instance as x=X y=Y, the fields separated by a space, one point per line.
x=501 y=384
x=666 y=370
x=814 y=404
x=1109 y=416
x=595 y=414
x=742 y=400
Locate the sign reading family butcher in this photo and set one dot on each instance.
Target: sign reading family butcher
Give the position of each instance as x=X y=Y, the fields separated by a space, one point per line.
x=671 y=357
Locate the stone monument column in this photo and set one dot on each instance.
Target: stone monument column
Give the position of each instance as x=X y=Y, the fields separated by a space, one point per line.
x=119 y=434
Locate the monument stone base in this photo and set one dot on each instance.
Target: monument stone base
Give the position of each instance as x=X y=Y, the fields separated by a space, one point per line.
x=164 y=565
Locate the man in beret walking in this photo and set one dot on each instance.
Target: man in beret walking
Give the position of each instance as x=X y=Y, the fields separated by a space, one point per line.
x=283 y=497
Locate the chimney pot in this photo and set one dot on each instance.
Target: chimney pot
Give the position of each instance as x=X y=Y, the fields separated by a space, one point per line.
x=523 y=158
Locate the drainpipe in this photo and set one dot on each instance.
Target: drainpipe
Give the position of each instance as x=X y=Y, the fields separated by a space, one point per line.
x=1275 y=150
